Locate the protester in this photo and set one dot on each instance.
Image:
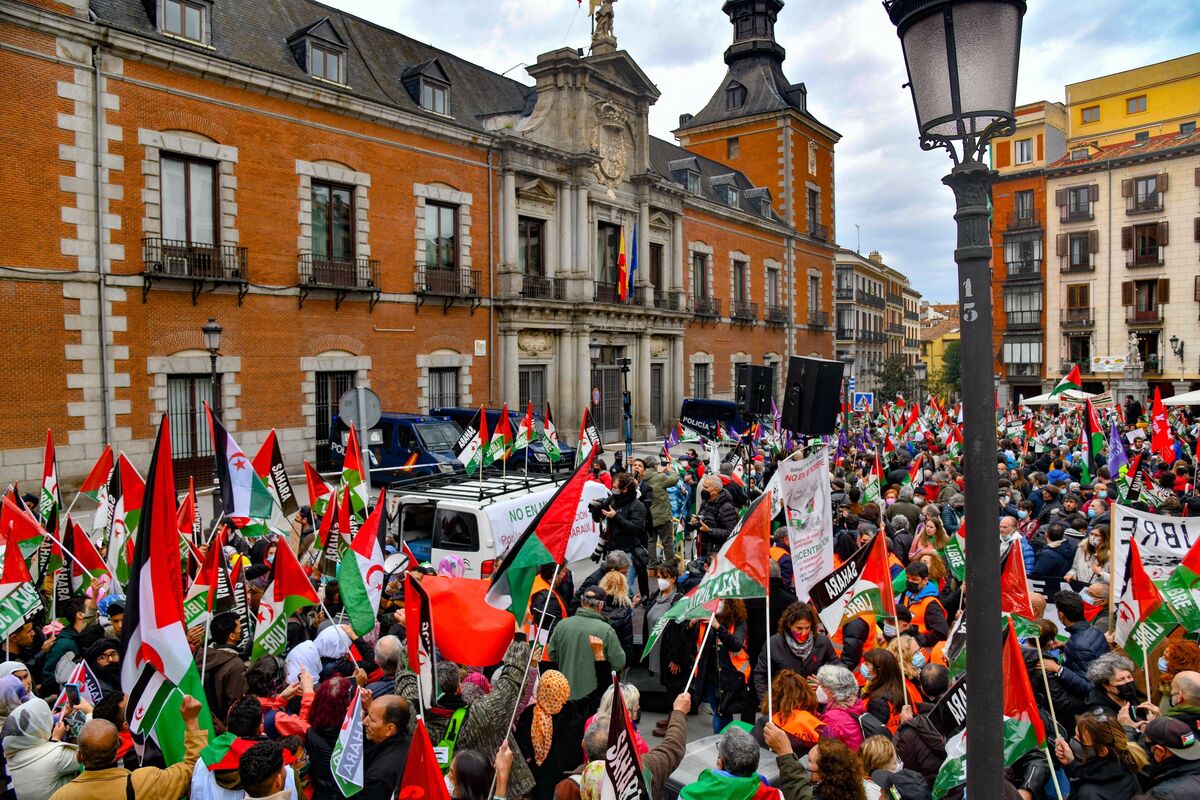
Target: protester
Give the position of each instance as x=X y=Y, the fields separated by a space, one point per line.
x=724 y=665
x=224 y=670
x=1174 y=767
x=657 y=764
x=1111 y=676
x=325 y=717
x=884 y=775
x=795 y=712
x=658 y=479
x=1101 y=763
x=37 y=760
x=717 y=517
x=837 y=695
x=618 y=608
x=385 y=728
x=797 y=646
x=837 y=773
x=736 y=775
x=1090 y=564
x=569 y=644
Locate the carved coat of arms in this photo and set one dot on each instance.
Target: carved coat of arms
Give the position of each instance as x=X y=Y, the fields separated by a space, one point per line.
x=608 y=141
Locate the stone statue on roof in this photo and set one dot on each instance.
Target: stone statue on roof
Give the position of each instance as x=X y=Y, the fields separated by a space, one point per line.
x=1134 y=358
x=603 y=29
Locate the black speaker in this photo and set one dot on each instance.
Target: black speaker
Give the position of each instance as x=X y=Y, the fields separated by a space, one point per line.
x=753 y=394
x=812 y=395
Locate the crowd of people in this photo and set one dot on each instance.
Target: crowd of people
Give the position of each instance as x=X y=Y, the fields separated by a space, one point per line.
x=797 y=710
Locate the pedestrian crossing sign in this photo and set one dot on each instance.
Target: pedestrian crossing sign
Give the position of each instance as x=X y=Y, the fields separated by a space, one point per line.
x=863 y=401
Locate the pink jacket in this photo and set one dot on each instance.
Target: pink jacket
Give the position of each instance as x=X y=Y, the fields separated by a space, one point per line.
x=842 y=723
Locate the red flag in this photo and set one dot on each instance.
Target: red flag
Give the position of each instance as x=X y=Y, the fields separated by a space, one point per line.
x=751 y=550
x=422 y=776
x=1019 y=702
x=418 y=629
x=16 y=523
x=98 y=477
x=15 y=569
x=319 y=490
x=468 y=630
x=1014 y=587
x=1160 y=439
x=85 y=552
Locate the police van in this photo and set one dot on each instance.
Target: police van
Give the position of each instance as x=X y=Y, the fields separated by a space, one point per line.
x=703 y=416
x=477 y=520
x=403 y=445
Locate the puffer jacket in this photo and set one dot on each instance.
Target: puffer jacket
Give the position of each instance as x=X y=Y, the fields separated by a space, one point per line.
x=842 y=723
x=621 y=618
x=1084 y=645
x=627 y=530
x=721 y=517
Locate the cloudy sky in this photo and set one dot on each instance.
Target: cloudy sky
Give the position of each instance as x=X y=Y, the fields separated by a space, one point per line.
x=847 y=53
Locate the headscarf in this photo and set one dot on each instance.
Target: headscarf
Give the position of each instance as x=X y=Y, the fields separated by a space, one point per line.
x=331 y=643
x=12 y=693
x=9 y=667
x=591 y=783
x=29 y=725
x=303 y=655
x=552 y=692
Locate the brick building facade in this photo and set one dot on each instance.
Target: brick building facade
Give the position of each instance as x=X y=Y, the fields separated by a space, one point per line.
x=354 y=206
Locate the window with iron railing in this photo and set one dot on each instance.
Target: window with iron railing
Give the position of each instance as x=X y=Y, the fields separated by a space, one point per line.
x=443 y=387
x=531 y=388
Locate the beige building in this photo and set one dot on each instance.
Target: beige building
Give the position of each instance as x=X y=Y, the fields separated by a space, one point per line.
x=876 y=316
x=1122 y=240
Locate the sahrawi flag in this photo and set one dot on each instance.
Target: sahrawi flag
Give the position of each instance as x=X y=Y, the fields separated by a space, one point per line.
x=418 y=627
x=1093 y=439
x=198 y=601
x=502 y=439
x=1181 y=589
x=525 y=431
x=120 y=516
x=346 y=761
x=158 y=670
x=1143 y=619
x=1072 y=382
x=93 y=485
x=544 y=542
x=874 y=479
x=243 y=495
x=860 y=587
x=1023 y=729
x=268 y=465
x=471 y=447
x=51 y=497
x=89 y=687
x=18 y=598
x=319 y=490
x=589 y=439
x=354 y=476
x=360 y=573
x=86 y=566
x=622 y=778
x=288 y=591
x=742 y=569
x=550 y=436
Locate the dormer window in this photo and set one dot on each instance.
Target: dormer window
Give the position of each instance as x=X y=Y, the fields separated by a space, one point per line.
x=693 y=182
x=325 y=64
x=320 y=51
x=731 y=196
x=187 y=19
x=735 y=96
x=428 y=86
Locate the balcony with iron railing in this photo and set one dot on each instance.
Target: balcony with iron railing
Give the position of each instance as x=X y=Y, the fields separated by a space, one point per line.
x=539 y=287
x=896 y=328
x=1147 y=204
x=843 y=335
x=1025 y=219
x=606 y=292
x=1068 y=264
x=1024 y=370
x=743 y=312
x=447 y=282
x=1026 y=269
x=777 y=314
x=668 y=301
x=894 y=299
x=871 y=337
x=708 y=307
x=1077 y=318
x=818 y=319
x=912 y=315
x=1148 y=315
x=843 y=293
x=1144 y=257
x=870 y=300
x=1076 y=214
x=912 y=344
x=343 y=276
x=199 y=264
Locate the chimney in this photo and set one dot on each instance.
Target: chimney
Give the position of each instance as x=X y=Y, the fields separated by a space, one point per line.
x=874 y=256
x=684 y=119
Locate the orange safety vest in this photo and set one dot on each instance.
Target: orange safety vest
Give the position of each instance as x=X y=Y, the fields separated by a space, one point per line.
x=740 y=659
x=918 y=612
x=800 y=724
x=541 y=584
x=778 y=552
x=937 y=654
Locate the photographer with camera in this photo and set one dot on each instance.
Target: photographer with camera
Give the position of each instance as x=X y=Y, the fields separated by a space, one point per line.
x=717 y=517
x=624 y=516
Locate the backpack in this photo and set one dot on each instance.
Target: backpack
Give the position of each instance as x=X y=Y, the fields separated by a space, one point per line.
x=870 y=725
x=904 y=784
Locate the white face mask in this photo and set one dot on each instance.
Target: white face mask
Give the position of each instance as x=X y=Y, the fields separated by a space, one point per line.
x=822 y=697
x=449 y=785
x=664 y=585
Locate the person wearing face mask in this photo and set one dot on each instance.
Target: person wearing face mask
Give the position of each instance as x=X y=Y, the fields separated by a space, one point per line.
x=1027 y=524
x=929 y=625
x=1096 y=511
x=1055 y=559
x=1100 y=761
x=837 y=695
x=673 y=653
x=724 y=678
x=717 y=517
x=1174 y=770
x=1111 y=676
x=797 y=646
x=1091 y=558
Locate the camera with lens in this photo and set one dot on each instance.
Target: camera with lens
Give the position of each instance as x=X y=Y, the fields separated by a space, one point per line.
x=598 y=506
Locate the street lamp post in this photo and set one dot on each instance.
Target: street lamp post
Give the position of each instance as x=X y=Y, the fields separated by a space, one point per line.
x=212 y=343
x=961 y=57
x=627 y=406
x=1177 y=348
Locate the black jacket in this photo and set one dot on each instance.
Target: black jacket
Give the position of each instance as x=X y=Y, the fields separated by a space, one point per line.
x=1179 y=781
x=782 y=658
x=319 y=745
x=716 y=666
x=1054 y=562
x=1101 y=778
x=384 y=767
x=721 y=516
x=627 y=530
x=565 y=751
x=757 y=626
x=920 y=745
x=622 y=622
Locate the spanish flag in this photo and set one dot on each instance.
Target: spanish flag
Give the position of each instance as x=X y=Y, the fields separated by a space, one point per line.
x=622 y=270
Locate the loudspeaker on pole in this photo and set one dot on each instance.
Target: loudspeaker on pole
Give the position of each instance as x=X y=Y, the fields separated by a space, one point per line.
x=812 y=395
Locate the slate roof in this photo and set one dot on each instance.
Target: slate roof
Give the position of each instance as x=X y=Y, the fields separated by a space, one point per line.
x=666 y=157
x=255 y=33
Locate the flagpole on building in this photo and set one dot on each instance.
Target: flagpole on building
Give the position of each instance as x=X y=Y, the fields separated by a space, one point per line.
x=712 y=617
